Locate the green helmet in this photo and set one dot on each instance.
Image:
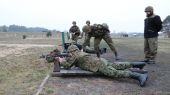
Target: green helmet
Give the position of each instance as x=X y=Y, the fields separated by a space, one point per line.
x=87 y=22
x=149 y=9
x=74 y=22
x=72 y=48
x=86 y=29
x=99 y=26
x=105 y=25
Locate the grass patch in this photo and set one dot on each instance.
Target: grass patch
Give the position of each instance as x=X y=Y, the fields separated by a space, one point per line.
x=21 y=75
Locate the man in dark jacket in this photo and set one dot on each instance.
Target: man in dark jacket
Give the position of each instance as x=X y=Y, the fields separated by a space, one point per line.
x=153 y=25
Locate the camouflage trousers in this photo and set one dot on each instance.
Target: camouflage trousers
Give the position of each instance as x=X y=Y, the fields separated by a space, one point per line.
x=107 y=38
x=87 y=40
x=75 y=38
x=117 y=70
x=150 y=48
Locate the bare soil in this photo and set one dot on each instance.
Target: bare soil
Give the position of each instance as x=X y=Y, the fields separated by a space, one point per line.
x=130 y=49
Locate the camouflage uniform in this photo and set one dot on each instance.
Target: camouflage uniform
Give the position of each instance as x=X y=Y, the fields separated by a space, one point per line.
x=101 y=32
x=75 y=32
x=86 y=29
x=94 y=64
x=87 y=38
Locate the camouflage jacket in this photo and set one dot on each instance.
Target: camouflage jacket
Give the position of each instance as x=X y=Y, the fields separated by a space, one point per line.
x=75 y=29
x=83 y=61
x=99 y=32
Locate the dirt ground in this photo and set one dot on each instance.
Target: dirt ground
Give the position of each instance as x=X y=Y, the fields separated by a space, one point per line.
x=130 y=49
x=21 y=70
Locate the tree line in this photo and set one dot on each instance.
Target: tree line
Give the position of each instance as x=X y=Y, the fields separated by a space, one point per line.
x=166 y=24
x=17 y=28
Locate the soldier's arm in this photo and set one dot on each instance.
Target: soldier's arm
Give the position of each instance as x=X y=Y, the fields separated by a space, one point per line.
x=158 y=23
x=65 y=64
x=68 y=62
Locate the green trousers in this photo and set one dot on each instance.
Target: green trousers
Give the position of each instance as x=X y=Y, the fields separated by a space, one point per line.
x=150 y=48
x=115 y=70
x=107 y=38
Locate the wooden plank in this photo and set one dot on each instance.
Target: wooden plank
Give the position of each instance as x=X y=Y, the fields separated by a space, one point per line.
x=73 y=72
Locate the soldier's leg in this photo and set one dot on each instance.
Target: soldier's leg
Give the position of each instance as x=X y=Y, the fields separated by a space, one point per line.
x=112 y=72
x=87 y=37
x=76 y=38
x=146 y=49
x=96 y=45
x=109 y=41
x=86 y=41
x=153 y=45
x=121 y=65
x=126 y=65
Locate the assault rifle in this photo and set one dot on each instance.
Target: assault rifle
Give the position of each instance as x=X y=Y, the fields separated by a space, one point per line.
x=55 y=53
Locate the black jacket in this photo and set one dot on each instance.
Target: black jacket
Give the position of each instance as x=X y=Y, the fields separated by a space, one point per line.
x=153 y=25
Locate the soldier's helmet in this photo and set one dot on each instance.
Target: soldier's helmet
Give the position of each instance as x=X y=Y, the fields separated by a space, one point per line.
x=72 y=48
x=74 y=22
x=149 y=9
x=88 y=22
x=105 y=25
x=99 y=26
x=86 y=29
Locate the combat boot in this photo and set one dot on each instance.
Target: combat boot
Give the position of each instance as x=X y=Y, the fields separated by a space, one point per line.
x=138 y=71
x=116 y=56
x=142 y=78
x=139 y=65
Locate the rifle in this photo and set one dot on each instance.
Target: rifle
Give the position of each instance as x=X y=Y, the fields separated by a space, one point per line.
x=52 y=55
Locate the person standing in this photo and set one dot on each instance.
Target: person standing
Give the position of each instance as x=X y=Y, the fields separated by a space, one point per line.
x=152 y=25
x=86 y=30
x=101 y=31
x=75 y=31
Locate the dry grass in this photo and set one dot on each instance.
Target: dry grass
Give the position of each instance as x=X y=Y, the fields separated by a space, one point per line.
x=21 y=69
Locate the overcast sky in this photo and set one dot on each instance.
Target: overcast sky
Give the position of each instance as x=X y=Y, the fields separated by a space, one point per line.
x=120 y=15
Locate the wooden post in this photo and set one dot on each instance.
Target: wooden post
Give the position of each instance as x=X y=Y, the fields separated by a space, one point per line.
x=63 y=39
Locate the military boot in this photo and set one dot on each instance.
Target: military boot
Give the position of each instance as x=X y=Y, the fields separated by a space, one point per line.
x=116 y=56
x=139 y=65
x=142 y=78
x=138 y=71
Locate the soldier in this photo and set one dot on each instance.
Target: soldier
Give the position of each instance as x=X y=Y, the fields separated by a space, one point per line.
x=75 y=32
x=86 y=30
x=94 y=64
x=101 y=31
x=153 y=25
